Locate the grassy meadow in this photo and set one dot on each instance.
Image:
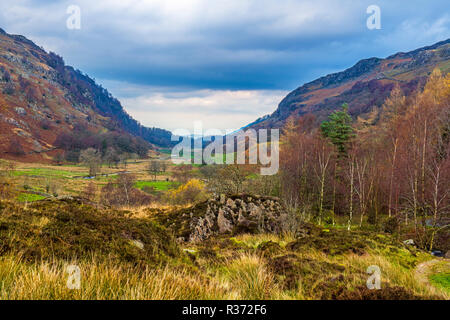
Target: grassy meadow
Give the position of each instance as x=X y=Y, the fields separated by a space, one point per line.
x=37 y=181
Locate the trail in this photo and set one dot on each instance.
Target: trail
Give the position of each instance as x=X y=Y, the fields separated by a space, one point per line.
x=423 y=270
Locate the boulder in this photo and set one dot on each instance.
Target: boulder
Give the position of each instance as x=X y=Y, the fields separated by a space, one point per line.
x=226 y=214
x=409 y=242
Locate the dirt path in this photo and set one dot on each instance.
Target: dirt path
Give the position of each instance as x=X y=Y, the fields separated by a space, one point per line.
x=423 y=270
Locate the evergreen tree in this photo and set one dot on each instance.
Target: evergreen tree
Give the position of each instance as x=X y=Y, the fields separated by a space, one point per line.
x=339 y=129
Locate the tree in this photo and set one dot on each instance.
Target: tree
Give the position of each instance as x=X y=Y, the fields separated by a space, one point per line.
x=126 y=182
x=6 y=76
x=134 y=156
x=111 y=157
x=9 y=89
x=164 y=165
x=15 y=148
x=7 y=185
x=339 y=129
x=59 y=158
x=154 y=167
x=123 y=193
x=123 y=159
x=297 y=174
x=90 y=192
x=323 y=157
x=393 y=107
x=92 y=159
x=182 y=173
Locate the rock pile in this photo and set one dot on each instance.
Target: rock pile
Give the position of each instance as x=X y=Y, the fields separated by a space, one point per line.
x=235 y=214
x=225 y=214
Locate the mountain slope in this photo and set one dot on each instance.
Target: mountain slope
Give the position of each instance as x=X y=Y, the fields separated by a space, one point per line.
x=363 y=86
x=42 y=98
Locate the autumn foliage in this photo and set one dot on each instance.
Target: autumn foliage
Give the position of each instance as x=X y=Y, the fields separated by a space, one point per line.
x=397 y=166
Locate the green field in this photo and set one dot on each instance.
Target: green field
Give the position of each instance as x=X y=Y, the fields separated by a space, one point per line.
x=45 y=172
x=29 y=197
x=158 y=185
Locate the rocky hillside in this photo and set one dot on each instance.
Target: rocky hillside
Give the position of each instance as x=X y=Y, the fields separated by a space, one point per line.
x=363 y=86
x=41 y=98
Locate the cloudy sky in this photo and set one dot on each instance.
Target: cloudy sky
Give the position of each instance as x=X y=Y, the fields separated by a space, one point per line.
x=226 y=63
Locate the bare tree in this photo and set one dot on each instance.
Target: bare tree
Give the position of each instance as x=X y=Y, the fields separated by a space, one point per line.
x=90 y=192
x=182 y=173
x=323 y=155
x=126 y=182
x=92 y=159
x=154 y=167
x=111 y=157
x=163 y=165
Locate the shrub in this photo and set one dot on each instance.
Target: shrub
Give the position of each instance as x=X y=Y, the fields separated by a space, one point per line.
x=8 y=89
x=45 y=124
x=191 y=192
x=15 y=148
x=391 y=225
x=122 y=193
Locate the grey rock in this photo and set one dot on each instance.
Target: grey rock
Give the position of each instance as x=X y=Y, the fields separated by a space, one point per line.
x=20 y=111
x=224 y=224
x=231 y=203
x=237 y=214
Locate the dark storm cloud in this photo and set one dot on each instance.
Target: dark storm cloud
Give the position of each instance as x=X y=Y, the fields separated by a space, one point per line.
x=194 y=45
x=224 y=44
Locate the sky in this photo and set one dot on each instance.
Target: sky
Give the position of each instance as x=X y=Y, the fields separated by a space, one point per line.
x=225 y=63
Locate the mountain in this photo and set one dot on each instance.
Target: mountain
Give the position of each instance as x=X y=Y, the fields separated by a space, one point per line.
x=42 y=99
x=363 y=86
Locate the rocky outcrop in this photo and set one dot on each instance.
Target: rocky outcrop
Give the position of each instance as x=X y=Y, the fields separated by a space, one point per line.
x=226 y=214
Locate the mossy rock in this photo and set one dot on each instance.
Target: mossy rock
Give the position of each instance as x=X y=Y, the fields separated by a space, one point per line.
x=224 y=215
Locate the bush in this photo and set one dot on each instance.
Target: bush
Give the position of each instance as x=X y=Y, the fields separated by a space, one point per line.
x=123 y=193
x=72 y=230
x=8 y=89
x=45 y=124
x=191 y=192
x=15 y=148
x=391 y=225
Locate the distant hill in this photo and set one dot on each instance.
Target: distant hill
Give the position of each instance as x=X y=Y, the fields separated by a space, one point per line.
x=363 y=86
x=42 y=98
